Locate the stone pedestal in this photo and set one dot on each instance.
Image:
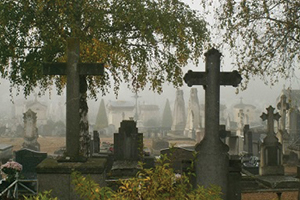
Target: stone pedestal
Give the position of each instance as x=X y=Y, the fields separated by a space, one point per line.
x=212 y=163
x=56 y=176
x=271 y=157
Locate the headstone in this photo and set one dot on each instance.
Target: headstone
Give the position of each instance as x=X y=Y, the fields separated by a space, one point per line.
x=29 y=159
x=158 y=145
x=212 y=161
x=180 y=158
x=128 y=150
x=6 y=152
x=283 y=135
x=95 y=143
x=270 y=149
x=193 y=123
x=179 y=118
x=30 y=131
x=248 y=144
x=76 y=123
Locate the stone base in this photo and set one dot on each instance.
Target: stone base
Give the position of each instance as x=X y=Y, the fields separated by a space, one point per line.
x=271 y=170
x=56 y=176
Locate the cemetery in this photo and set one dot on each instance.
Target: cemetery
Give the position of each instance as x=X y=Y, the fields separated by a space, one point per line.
x=195 y=145
x=242 y=160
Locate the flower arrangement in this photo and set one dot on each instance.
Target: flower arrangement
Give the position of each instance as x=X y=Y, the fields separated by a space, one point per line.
x=11 y=168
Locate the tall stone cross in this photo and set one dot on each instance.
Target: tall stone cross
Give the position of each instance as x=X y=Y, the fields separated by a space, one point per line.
x=282 y=106
x=75 y=71
x=270 y=116
x=212 y=154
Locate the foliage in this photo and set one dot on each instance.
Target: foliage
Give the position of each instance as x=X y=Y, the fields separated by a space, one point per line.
x=140 y=41
x=157 y=183
x=101 y=120
x=263 y=35
x=46 y=195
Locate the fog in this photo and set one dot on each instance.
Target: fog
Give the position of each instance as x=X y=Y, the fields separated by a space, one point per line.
x=257 y=93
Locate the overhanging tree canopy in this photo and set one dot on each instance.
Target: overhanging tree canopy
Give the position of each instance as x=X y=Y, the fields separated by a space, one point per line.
x=140 y=41
x=263 y=35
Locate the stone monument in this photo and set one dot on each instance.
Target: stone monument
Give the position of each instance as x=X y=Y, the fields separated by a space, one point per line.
x=128 y=150
x=212 y=162
x=271 y=149
x=54 y=174
x=283 y=135
x=193 y=123
x=179 y=118
x=30 y=131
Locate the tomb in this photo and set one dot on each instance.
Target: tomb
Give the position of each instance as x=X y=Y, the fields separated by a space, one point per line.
x=30 y=131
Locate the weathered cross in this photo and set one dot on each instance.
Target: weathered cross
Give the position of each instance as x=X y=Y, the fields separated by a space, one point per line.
x=282 y=106
x=212 y=157
x=211 y=79
x=270 y=116
x=74 y=70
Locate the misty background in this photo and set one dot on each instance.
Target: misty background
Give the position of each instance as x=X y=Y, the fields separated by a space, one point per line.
x=257 y=93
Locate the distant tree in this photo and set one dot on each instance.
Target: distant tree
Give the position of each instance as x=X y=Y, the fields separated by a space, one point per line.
x=140 y=41
x=101 y=120
x=167 y=118
x=263 y=35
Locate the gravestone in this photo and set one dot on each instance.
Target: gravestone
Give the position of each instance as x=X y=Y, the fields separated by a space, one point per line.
x=55 y=174
x=6 y=153
x=283 y=135
x=248 y=140
x=95 y=143
x=179 y=118
x=76 y=122
x=158 y=145
x=270 y=149
x=193 y=123
x=180 y=158
x=30 y=131
x=128 y=150
x=212 y=163
x=29 y=159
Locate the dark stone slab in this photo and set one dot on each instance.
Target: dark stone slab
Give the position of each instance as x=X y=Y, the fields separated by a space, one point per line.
x=29 y=159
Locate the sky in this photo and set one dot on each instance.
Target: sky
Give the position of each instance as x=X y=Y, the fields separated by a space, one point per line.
x=257 y=93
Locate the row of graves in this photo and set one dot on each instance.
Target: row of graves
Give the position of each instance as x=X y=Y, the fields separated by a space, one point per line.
x=212 y=163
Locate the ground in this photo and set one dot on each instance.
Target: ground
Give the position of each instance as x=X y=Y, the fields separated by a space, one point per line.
x=51 y=144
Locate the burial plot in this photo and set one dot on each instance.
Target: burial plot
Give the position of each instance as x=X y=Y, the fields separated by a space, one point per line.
x=212 y=161
x=30 y=131
x=29 y=159
x=271 y=149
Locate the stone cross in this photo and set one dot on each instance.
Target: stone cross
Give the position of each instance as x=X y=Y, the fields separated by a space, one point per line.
x=270 y=116
x=282 y=106
x=212 y=163
x=75 y=71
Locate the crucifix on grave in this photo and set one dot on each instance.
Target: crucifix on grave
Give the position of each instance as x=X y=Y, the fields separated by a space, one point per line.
x=270 y=149
x=76 y=115
x=283 y=135
x=212 y=160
